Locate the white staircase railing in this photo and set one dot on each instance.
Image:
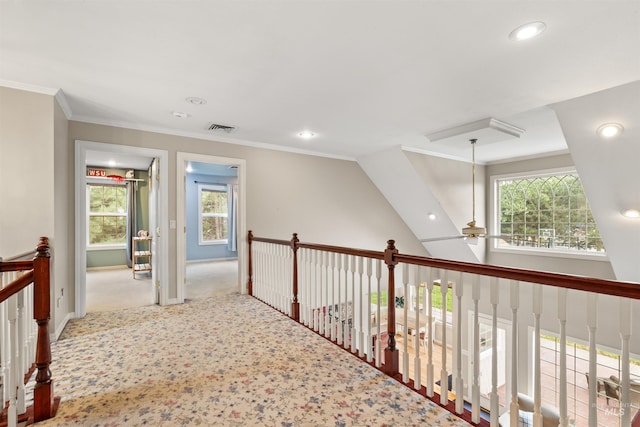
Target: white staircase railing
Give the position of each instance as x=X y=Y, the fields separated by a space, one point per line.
x=483 y=341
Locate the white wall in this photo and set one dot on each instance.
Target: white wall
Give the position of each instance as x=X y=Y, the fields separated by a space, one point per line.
x=26 y=170
x=323 y=200
x=35 y=172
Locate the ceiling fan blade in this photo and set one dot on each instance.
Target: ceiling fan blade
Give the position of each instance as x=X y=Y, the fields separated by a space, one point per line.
x=495 y=236
x=437 y=239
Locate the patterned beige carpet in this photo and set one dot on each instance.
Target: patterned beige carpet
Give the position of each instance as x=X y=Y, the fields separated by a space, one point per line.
x=223 y=361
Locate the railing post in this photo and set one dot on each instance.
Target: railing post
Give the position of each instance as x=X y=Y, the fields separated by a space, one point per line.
x=391 y=358
x=250 y=281
x=295 y=305
x=43 y=401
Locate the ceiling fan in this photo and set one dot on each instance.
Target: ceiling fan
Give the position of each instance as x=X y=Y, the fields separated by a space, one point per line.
x=472 y=232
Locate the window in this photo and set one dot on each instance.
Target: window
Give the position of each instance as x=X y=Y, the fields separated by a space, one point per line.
x=213 y=212
x=547 y=212
x=107 y=212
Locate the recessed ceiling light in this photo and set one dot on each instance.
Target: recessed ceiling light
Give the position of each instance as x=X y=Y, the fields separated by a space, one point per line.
x=111 y=163
x=180 y=114
x=527 y=31
x=610 y=130
x=631 y=213
x=432 y=216
x=196 y=101
x=306 y=134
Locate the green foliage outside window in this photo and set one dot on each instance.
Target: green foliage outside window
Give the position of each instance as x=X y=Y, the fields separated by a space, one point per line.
x=436 y=298
x=214 y=215
x=107 y=214
x=549 y=212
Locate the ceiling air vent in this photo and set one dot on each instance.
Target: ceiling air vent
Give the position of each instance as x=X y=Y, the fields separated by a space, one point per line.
x=227 y=129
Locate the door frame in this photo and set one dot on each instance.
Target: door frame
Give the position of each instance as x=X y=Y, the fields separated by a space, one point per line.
x=81 y=148
x=182 y=158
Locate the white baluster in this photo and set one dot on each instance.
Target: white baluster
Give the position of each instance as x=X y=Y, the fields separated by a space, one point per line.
x=537 y=373
x=287 y=265
x=444 y=375
x=324 y=289
x=347 y=303
x=592 y=324
x=353 y=334
x=309 y=288
x=625 y=336
x=475 y=388
x=21 y=406
x=4 y=351
x=306 y=274
x=320 y=285
x=494 y=398
x=363 y=296
x=369 y=347
x=515 y=305
x=329 y=296
x=429 y=343
x=405 y=322
x=417 y=280
x=562 y=392
x=378 y=348
x=12 y=368
x=340 y=315
x=459 y=383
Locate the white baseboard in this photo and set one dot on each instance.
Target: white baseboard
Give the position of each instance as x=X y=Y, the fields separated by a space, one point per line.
x=109 y=267
x=54 y=337
x=196 y=261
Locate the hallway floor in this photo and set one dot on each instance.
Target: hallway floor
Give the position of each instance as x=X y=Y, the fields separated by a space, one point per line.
x=222 y=361
x=106 y=287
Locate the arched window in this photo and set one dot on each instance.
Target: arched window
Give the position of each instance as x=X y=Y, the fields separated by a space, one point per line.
x=548 y=212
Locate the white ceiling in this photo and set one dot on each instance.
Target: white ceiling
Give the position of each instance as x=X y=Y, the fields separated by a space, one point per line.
x=363 y=75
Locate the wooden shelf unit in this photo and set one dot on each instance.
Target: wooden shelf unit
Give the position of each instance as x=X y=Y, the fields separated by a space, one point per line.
x=138 y=256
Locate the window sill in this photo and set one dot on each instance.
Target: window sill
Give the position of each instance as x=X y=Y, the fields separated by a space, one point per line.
x=214 y=242
x=591 y=256
x=106 y=247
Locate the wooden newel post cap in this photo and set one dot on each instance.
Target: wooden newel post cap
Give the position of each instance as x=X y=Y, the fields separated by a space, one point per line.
x=294 y=241
x=250 y=235
x=390 y=252
x=42 y=250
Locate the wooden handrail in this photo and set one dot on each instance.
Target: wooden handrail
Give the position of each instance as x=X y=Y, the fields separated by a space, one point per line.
x=16 y=265
x=581 y=283
x=16 y=286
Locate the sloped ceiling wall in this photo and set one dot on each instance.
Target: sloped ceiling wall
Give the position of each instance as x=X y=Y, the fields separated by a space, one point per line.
x=410 y=191
x=609 y=169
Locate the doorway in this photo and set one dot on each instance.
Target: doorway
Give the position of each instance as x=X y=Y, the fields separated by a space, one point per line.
x=211 y=224
x=105 y=160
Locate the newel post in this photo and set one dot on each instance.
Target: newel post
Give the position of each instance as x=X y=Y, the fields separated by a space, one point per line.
x=391 y=358
x=250 y=282
x=295 y=305
x=43 y=401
